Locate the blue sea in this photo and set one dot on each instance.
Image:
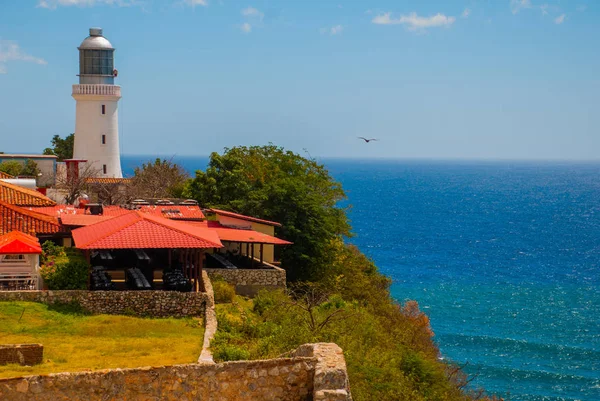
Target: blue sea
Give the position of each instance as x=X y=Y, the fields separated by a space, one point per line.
x=504 y=257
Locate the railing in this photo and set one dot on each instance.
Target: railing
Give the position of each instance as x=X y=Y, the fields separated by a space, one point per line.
x=97 y=89
x=18 y=281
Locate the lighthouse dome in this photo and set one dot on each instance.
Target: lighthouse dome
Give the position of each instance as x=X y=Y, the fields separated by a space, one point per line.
x=96 y=41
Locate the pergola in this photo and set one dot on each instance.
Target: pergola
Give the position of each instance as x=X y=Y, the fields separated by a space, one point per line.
x=242 y=237
x=138 y=231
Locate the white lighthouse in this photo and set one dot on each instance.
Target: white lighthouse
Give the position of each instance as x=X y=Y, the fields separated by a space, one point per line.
x=96 y=118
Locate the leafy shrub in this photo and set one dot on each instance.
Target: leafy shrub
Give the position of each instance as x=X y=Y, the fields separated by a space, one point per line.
x=224 y=292
x=232 y=353
x=63 y=269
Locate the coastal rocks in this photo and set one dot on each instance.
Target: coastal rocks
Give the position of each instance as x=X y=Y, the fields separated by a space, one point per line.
x=135 y=303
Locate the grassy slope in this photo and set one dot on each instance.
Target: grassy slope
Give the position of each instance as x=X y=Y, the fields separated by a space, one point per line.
x=75 y=342
x=384 y=363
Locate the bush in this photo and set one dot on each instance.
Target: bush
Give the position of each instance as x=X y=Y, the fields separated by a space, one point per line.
x=224 y=292
x=232 y=353
x=63 y=269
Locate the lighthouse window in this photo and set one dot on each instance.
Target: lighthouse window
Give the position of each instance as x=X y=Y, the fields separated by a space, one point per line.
x=103 y=139
x=103 y=109
x=104 y=169
x=96 y=62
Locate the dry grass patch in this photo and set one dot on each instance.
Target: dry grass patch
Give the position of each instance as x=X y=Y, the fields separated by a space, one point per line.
x=74 y=341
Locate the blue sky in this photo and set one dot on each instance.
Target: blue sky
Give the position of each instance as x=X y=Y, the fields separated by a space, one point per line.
x=505 y=79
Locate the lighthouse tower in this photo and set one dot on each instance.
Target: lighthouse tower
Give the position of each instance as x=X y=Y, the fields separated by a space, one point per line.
x=96 y=118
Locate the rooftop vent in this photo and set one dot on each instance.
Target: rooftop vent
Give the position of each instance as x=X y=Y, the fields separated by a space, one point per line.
x=164 y=202
x=140 y=202
x=189 y=202
x=95 y=31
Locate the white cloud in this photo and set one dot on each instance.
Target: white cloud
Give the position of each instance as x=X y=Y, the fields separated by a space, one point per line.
x=194 y=3
x=253 y=12
x=544 y=9
x=253 y=18
x=581 y=8
x=560 y=19
x=518 y=5
x=10 y=51
x=413 y=21
x=334 y=30
x=246 y=27
x=466 y=13
x=53 y=4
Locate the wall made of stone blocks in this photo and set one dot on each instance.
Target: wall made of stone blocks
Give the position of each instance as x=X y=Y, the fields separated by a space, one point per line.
x=136 y=303
x=287 y=379
x=314 y=372
x=249 y=281
x=23 y=354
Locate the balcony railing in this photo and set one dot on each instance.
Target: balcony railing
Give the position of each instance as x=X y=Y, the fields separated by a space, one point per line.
x=93 y=89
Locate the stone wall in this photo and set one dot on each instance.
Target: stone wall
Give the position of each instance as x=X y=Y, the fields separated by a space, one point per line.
x=210 y=321
x=23 y=354
x=249 y=281
x=138 y=303
x=330 y=381
x=299 y=378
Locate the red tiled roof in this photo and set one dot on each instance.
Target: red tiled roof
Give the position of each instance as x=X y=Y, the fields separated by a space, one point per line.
x=240 y=235
x=242 y=217
x=107 y=180
x=5 y=176
x=16 y=242
x=175 y=212
x=81 y=220
x=19 y=218
x=21 y=196
x=137 y=230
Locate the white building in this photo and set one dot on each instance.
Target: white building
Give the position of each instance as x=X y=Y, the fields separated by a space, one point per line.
x=96 y=119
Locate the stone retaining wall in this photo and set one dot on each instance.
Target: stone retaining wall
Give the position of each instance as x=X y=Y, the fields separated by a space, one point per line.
x=138 y=303
x=210 y=321
x=249 y=281
x=330 y=382
x=23 y=354
x=286 y=379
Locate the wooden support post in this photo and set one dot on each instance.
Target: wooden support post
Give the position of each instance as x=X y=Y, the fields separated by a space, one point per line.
x=200 y=266
x=252 y=262
x=89 y=262
x=247 y=249
x=261 y=253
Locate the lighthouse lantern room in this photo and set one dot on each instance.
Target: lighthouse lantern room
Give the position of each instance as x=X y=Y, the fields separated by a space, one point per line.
x=96 y=117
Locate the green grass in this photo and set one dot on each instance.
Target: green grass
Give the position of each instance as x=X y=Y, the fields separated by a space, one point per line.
x=74 y=341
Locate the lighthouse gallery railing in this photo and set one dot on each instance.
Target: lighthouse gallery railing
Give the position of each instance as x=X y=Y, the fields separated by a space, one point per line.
x=93 y=89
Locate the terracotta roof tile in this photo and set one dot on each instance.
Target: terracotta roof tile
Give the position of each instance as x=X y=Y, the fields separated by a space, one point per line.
x=19 y=218
x=16 y=242
x=240 y=235
x=21 y=196
x=107 y=180
x=137 y=230
x=175 y=212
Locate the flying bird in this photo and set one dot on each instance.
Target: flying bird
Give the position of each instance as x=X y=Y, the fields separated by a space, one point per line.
x=367 y=140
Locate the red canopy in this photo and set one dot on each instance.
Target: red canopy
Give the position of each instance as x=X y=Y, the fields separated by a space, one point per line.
x=139 y=230
x=239 y=235
x=17 y=242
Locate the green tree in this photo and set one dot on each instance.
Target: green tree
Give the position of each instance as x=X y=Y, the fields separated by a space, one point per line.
x=271 y=183
x=30 y=169
x=62 y=148
x=161 y=179
x=11 y=167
